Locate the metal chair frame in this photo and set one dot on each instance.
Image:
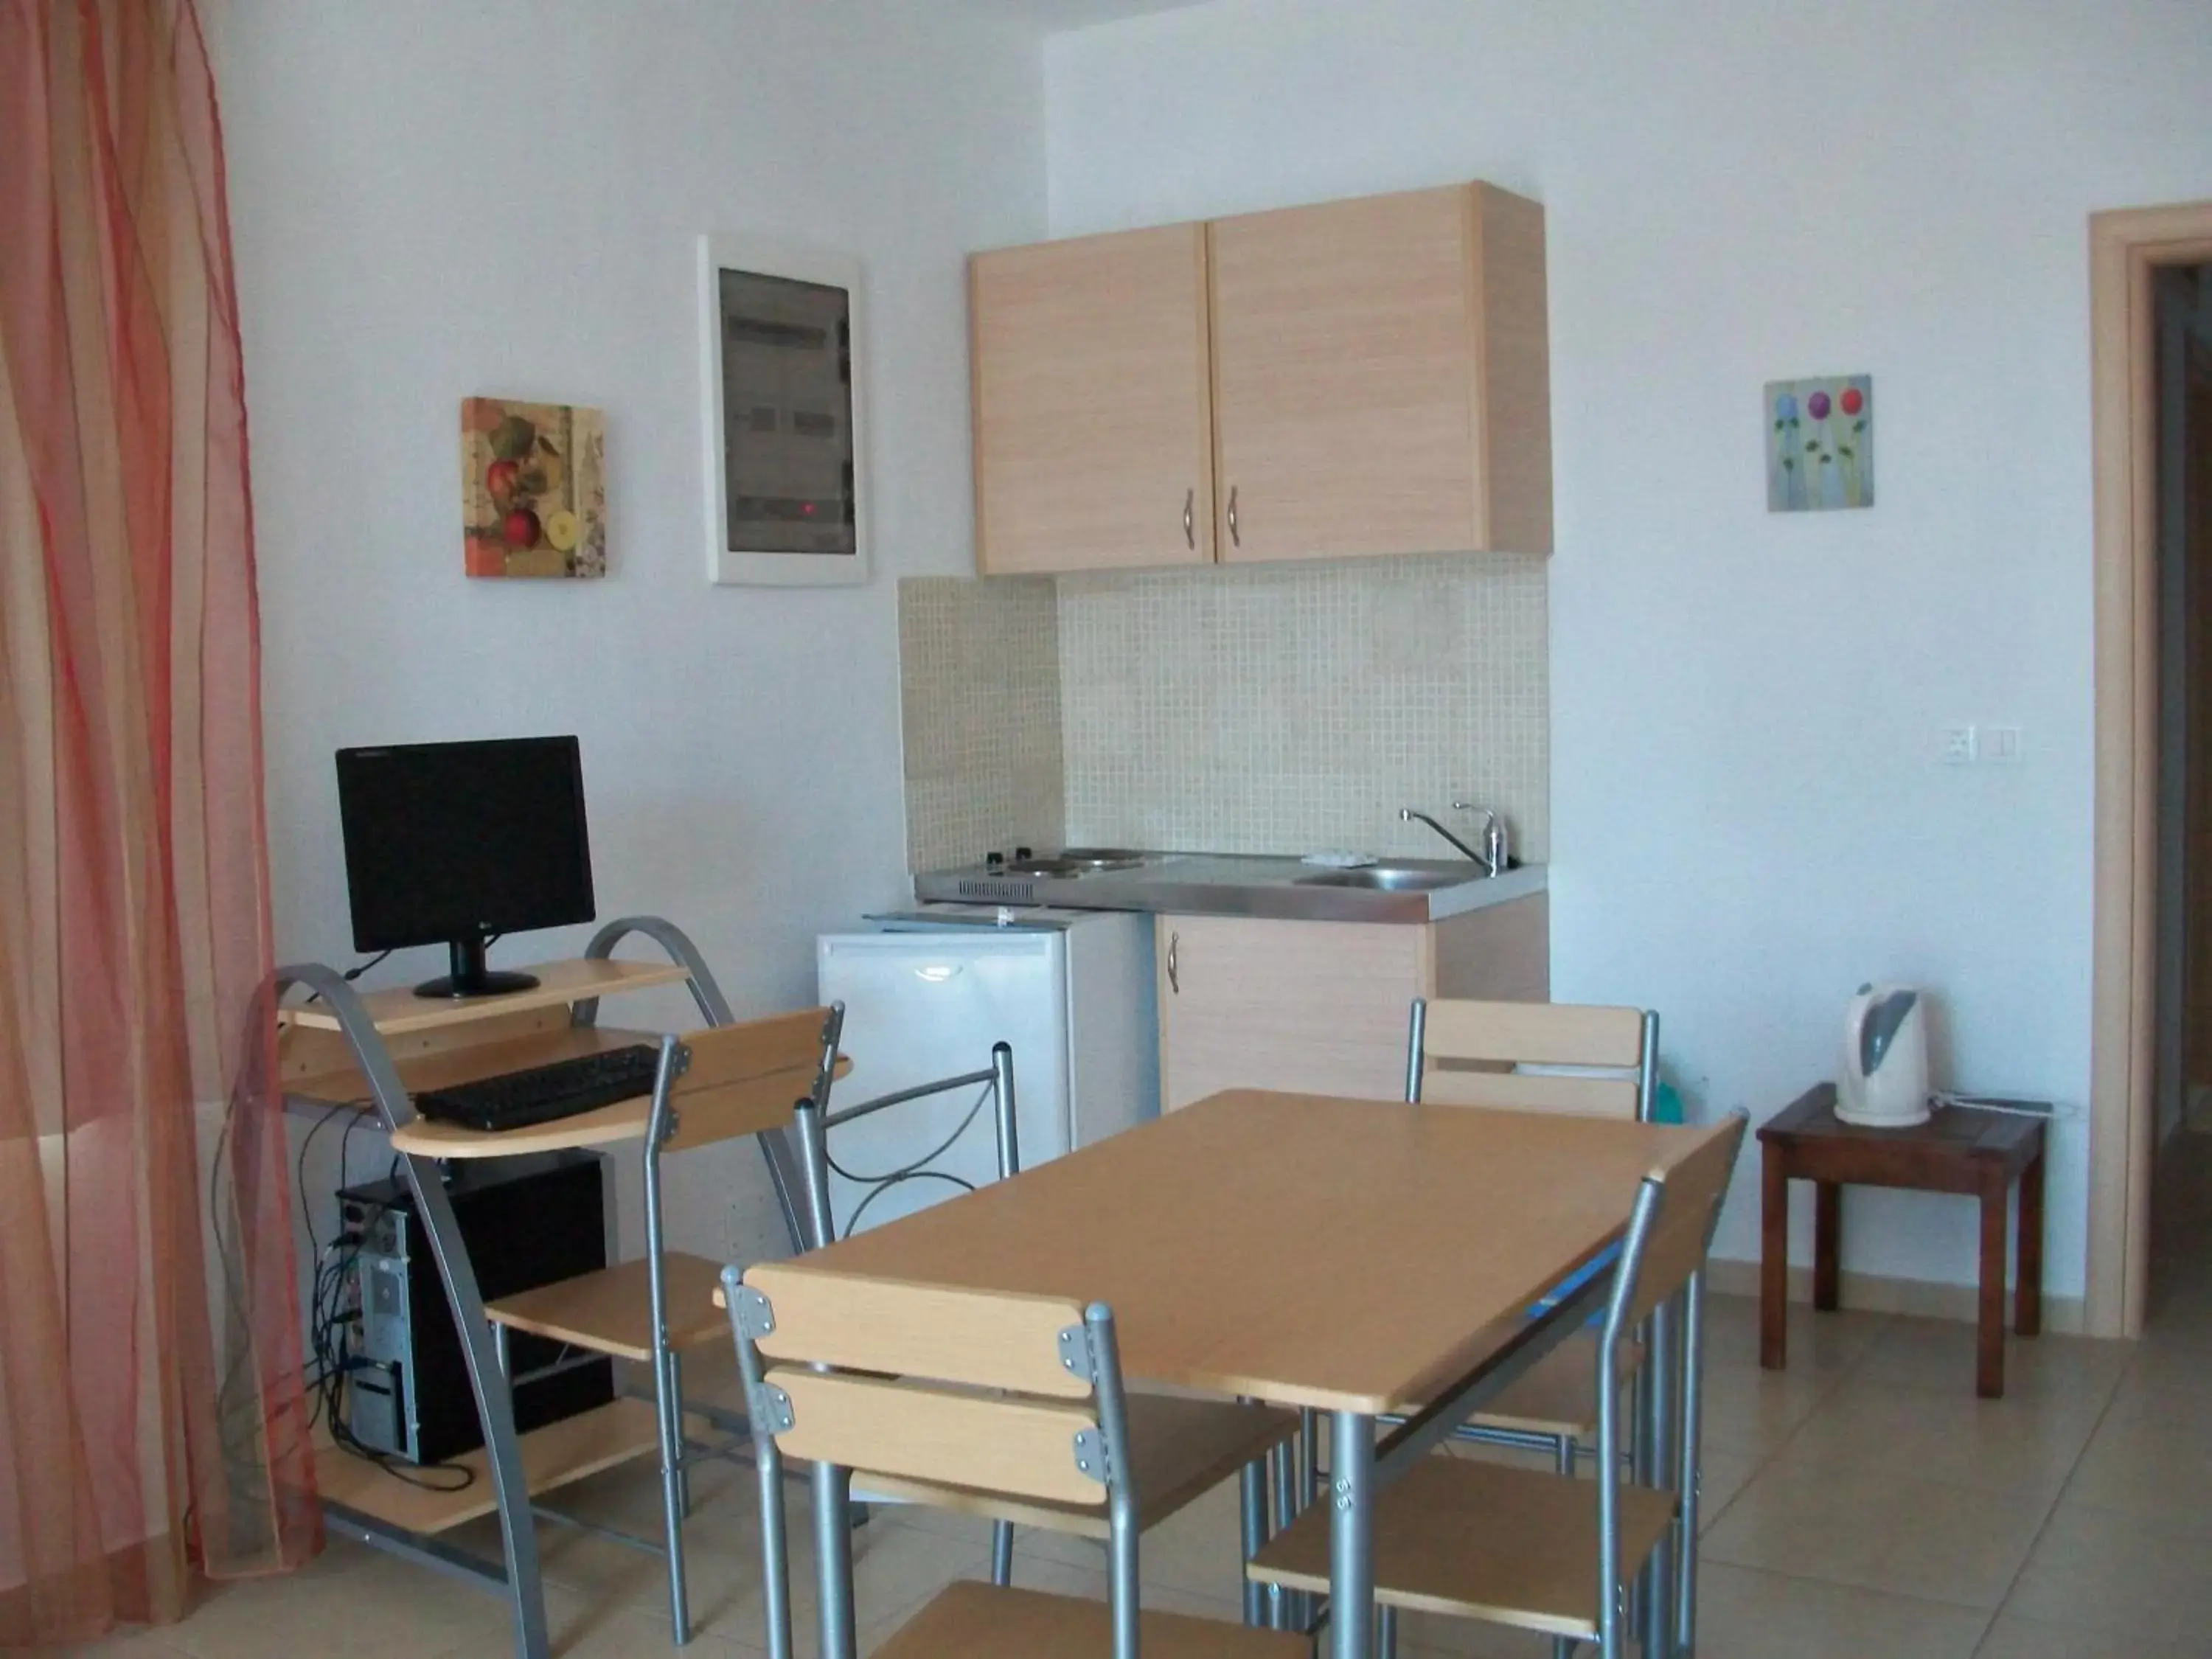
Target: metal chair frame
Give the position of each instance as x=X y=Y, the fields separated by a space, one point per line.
x=678 y=1454
x=1252 y=1479
x=1651 y=1403
x=1660 y=1607
x=752 y=1317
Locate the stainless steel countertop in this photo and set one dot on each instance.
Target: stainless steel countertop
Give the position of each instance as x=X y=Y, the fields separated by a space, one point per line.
x=1237 y=885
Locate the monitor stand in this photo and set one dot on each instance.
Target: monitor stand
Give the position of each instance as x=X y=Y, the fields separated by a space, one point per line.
x=470 y=978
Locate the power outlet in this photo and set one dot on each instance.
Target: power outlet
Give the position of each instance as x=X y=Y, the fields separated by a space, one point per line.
x=1961 y=745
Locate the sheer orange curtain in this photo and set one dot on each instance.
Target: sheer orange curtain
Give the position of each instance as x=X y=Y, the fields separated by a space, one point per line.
x=152 y=1422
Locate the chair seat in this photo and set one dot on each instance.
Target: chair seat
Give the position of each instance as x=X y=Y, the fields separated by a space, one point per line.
x=981 y=1621
x=1482 y=1540
x=611 y=1311
x=1557 y=1395
x=1182 y=1448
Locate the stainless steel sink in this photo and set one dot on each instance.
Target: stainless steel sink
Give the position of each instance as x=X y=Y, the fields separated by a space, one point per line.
x=1395 y=877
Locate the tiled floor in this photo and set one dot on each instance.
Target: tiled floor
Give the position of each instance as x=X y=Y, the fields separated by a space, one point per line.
x=1863 y=1504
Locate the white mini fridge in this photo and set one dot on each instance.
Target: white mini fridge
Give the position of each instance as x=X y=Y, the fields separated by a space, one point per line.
x=928 y=992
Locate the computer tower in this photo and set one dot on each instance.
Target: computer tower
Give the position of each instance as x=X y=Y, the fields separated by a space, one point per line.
x=526 y=1222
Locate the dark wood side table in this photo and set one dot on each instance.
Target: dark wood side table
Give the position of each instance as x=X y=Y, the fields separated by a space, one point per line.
x=1960 y=1150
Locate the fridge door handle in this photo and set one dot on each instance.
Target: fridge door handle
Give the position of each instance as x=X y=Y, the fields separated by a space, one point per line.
x=1174 y=978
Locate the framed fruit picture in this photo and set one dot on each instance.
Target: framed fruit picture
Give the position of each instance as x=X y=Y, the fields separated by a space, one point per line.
x=533 y=489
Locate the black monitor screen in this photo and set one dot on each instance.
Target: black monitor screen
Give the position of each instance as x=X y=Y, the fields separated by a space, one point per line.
x=455 y=840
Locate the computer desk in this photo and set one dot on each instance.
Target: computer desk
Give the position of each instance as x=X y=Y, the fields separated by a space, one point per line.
x=372 y=1050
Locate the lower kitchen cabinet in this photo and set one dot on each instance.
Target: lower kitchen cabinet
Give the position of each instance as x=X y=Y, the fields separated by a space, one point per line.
x=1322 y=1006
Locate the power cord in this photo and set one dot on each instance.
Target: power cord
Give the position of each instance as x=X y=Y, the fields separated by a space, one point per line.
x=358 y=969
x=333 y=1332
x=1944 y=1099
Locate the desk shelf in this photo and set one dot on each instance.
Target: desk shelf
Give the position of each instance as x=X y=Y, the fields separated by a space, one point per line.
x=444 y=1067
x=552 y=1456
x=375 y=1050
x=399 y=1011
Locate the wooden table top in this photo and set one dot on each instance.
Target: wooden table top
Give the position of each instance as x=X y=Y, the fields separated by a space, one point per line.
x=1955 y=1132
x=1344 y=1254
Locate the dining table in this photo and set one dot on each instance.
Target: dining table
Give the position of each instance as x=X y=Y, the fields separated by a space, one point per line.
x=1367 y=1259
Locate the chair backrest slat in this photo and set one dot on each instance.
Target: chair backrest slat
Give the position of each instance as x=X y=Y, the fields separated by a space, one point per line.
x=1534 y=1033
x=746 y=1077
x=1474 y=1054
x=1531 y=1092
x=1696 y=1185
x=981 y=1338
x=1024 y=1446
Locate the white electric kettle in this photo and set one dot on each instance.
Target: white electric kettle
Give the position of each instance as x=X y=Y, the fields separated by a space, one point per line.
x=1885 y=1080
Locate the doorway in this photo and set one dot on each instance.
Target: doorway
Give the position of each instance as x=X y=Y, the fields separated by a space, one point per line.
x=2181 y=1141
x=2130 y=253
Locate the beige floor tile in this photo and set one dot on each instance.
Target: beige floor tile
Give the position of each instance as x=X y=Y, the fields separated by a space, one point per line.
x=2156 y=1469
x=2101 y=1569
x=1951 y=1438
x=2014 y=1638
x=1820 y=1344
x=1747 y=1614
x=123 y=1644
x=2165 y=1382
x=1726 y=1473
x=1939 y=1355
x=1468 y=1638
x=1753 y=1411
x=350 y=1588
x=1879 y=1531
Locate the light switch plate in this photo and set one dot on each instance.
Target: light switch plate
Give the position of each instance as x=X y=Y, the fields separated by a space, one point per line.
x=2002 y=746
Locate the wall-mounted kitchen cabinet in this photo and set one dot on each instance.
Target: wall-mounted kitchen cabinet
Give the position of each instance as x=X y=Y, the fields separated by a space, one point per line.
x=1093 y=403
x=1362 y=377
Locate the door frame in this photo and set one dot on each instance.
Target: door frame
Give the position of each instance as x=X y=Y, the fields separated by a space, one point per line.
x=2125 y=248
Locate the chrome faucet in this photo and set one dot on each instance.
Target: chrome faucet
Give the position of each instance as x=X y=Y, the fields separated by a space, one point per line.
x=1496 y=856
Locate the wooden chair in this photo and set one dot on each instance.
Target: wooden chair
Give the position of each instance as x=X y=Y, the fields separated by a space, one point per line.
x=1603 y=1062
x=1547 y=1551
x=712 y=1086
x=965 y=1390
x=1183 y=1447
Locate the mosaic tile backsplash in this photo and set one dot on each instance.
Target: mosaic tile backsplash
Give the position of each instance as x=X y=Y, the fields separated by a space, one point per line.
x=1275 y=708
x=1288 y=708
x=979 y=672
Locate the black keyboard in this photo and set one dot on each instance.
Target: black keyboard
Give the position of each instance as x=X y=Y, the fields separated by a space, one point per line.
x=516 y=1100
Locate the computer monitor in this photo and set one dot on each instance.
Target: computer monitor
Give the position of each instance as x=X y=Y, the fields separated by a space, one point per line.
x=451 y=842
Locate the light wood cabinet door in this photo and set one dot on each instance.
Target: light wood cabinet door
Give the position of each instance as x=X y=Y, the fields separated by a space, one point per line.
x=1316 y=1006
x=1381 y=377
x=1093 y=405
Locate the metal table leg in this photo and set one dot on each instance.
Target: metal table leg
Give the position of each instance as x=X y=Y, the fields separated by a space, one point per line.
x=1352 y=1536
x=1252 y=1496
x=833 y=1553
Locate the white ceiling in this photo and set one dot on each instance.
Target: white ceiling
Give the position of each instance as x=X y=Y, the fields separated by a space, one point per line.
x=1054 y=15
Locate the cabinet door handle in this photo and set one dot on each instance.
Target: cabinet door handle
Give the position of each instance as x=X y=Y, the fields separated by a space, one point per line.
x=1175 y=979
x=1235 y=539
x=1189 y=523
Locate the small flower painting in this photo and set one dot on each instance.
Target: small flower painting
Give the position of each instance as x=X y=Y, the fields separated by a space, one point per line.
x=533 y=489
x=1820 y=443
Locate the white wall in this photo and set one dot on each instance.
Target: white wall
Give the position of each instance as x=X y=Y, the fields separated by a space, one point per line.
x=432 y=200
x=1749 y=815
